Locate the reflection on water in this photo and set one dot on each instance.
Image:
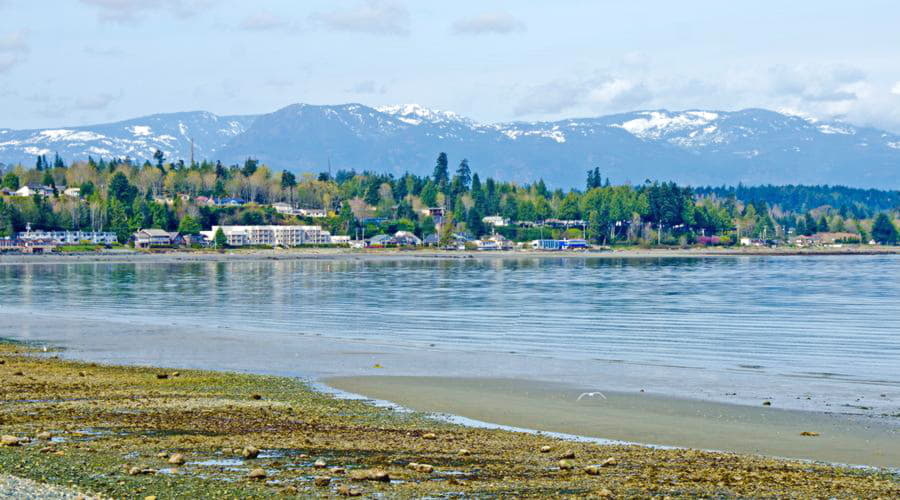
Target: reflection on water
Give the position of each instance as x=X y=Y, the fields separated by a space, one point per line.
x=833 y=317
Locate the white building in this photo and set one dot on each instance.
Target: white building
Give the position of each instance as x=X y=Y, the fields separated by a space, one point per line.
x=495 y=220
x=68 y=237
x=287 y=209
x=284 y=236
x=73 y=192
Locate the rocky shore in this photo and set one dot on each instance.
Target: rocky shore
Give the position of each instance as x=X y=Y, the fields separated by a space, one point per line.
x=151 y=432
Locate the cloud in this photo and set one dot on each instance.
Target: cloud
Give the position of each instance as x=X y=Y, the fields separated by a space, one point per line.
x=134 y=11
x=815 y=83
x=896 y=89
x=486 y=23
x=96 y=102
x=367 y=87
x=267 y=21
x=374 y=17
x=597 y=93
x=13 y=48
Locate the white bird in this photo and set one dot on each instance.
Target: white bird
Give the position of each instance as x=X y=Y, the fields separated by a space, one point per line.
x=590 y=395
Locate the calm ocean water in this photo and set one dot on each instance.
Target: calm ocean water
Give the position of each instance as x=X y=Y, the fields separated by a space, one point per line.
x=833 y=317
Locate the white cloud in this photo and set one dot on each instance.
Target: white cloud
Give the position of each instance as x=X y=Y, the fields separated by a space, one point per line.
x=13 y=48
x=500 y=23
x=134 y=11
x=375 y=17
x=603 y=93
x=896 y=89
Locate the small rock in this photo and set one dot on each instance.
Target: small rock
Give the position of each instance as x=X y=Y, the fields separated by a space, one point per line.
x=429 y=435
x=19 y=374
x=464 y=452
x=370 y=475
x=257 y=474
x=377 y=365
x=162 y=376
x=412 y=465
x=2 y=361
x=150 y=497
x=566 y=465
x=134 y=471
x=256 y=396
x=338 y=470
x=809 y=433
x=592 y=470
x=767 y=403
x=424 y=468
x=82 y=374
x=162 y=454
x=250 y=452
x=322 y=480
x=10 y=441
x=568 y=454
x=604 y=493
x=44 y=435
x=176 y=374
x=545 y=449
x=176 y=459
x=46 y=449
x=609 y=462
x=347 y=491
x=320 y=463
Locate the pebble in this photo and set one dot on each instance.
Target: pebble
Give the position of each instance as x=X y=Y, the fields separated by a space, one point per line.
x=257 y=474
x=10 y=441
x=545 y=449
x=464 y=452
x=566 y=465
x=338 y=470
x=162 y=376
x=604 y=493
x=322 y=480
x=424 y=468
x=809 y=433
x=767 y=403
x=609 y=462
x=592 y=470
x=256 y=396
x=370 y=475
x=347 y=491
x=320 y=464
x=429 y=435
x=250 y=452
x=568 y=454
x=150 y=497
x=176 y=459
x=44 y=435
x=162 y=455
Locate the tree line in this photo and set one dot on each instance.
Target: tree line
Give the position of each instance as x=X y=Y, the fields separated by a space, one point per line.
x=123 y=195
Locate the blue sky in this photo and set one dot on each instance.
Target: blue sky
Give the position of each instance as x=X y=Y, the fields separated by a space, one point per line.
x=72 y=62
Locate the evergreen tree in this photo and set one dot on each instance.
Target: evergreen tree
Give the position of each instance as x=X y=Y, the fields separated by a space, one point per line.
x=159 y=157
x=822 y=225
x=118 y=220
x=883 y=230
x=39 y=165
x=121 y=189
x=250 y=166
x=57 y=161
x=811 y=225
x=441 y=176
x=189 y=225
x=464 y=174
x=220 y=240
x=11 y=181
x=289 y=181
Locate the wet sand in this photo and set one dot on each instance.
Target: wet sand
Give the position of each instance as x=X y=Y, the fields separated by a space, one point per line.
x=642 y=418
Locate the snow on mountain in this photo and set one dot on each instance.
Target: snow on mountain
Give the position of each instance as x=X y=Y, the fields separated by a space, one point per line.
x=693 y=146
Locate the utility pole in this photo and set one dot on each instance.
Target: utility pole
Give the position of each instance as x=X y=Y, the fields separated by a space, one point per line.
x=192 y=151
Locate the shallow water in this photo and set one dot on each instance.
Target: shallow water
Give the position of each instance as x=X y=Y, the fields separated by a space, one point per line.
x=782 y=320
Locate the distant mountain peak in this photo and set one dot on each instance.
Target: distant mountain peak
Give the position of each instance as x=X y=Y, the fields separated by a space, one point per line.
x=416 y=114
x=692 y=146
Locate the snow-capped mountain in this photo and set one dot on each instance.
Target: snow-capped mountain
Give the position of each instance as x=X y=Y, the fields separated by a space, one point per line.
x=752 y=146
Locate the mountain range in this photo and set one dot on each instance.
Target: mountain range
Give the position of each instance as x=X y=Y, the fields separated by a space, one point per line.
x=698 y=147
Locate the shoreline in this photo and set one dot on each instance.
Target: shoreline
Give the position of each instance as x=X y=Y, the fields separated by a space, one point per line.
x=116 y=431
x=639 y=418
x=135 y=257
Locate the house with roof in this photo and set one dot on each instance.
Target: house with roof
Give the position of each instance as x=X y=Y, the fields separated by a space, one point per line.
x=381 y=241
x=72 y=192
x=149 y=238
x=231 y=202
x=406 y=239
x=26 y=191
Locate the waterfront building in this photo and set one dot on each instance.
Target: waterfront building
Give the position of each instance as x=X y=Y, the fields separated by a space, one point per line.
x=283 y=236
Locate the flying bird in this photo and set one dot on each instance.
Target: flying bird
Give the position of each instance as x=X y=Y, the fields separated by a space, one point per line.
x=590 y=395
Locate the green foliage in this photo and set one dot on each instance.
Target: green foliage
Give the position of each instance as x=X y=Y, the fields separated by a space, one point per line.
x=220 y=240
x=883 y=230
x=11 y=181
x=189 y=225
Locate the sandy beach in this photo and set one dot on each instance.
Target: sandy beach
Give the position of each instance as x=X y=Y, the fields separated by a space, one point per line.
x=642 y=418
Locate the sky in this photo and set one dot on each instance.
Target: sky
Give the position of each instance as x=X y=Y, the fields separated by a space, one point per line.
x=77 y=62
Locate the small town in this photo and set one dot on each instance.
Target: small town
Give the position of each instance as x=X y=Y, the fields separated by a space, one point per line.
x=99 y=205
